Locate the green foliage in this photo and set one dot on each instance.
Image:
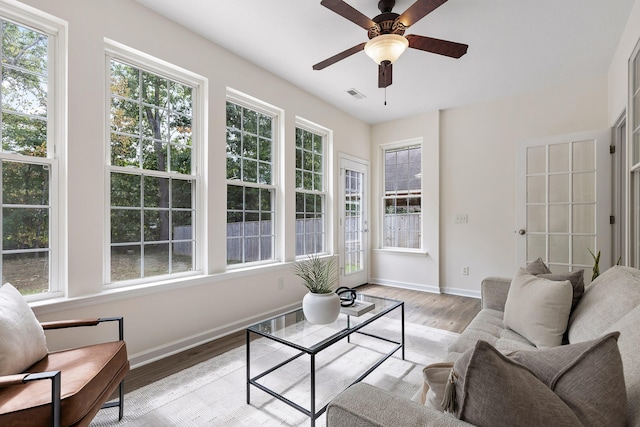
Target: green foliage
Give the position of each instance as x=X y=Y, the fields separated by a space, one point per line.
x=317 y=274
x=596 y=264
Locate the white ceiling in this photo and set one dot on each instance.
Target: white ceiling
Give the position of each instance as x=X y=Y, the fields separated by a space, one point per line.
x=515 y=46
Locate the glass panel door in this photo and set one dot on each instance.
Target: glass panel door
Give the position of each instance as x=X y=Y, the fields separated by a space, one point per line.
x=353 y=223
x=564 y=202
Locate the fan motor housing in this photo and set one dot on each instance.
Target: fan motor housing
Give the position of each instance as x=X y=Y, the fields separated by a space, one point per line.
x=387 y=23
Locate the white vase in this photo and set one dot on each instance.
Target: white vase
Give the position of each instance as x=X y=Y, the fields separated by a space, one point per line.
x=321 y=309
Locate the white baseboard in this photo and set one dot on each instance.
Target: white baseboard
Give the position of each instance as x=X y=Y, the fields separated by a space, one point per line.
x=425 y=288
x=148 y=356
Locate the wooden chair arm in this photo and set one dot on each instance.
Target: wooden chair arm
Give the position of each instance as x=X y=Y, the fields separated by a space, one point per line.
x=62 y=324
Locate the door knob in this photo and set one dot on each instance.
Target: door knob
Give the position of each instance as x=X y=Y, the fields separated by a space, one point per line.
x=522 y=232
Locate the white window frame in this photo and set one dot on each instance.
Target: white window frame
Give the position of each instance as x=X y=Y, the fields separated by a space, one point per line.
x=633 y=161
x=327 y=156
x=56 y=30
x=416 y=142
x=119 y=52
x=252 y=103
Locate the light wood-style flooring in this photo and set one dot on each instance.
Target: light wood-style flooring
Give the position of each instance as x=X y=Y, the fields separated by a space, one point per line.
x=448 y=312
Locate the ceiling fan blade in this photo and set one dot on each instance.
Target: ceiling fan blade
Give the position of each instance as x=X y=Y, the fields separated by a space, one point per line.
x=346 y=11
x=419 y=10
x=441 y=47
x=385 y=74
x=340 y=56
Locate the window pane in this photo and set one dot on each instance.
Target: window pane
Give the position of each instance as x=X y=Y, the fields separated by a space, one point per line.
x=402 y=201
x=27 y=204
x=250 y=233
x=151 y=117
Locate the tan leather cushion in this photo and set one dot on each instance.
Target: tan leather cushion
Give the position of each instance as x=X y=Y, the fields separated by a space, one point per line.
x=89 y=376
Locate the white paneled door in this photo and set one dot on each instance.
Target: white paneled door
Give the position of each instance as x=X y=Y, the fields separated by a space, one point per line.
x=564 y=201
x=354 y=222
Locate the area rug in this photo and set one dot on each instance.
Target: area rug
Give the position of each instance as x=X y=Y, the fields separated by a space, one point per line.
x=213 y=393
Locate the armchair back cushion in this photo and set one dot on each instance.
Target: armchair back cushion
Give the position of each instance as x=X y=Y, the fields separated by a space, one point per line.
x=22 y=340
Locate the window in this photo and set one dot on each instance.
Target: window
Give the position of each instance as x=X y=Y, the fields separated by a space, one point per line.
x=153 y=173
x=32 y=151
x=402 y=197
x=310 y=192
x=251 y=189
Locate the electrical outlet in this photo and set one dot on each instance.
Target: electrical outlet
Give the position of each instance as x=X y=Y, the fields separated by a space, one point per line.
x=280 y=283
x=462 y=218
x=465 y=270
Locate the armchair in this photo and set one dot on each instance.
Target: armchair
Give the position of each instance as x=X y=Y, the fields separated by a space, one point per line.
x=81 y=380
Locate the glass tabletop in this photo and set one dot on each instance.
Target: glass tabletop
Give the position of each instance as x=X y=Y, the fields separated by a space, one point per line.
x=294 y=330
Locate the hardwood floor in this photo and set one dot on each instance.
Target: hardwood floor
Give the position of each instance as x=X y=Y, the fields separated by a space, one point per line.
x=448 y=312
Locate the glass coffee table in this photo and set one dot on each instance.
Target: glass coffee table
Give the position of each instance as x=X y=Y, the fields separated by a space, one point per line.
x=293 y=331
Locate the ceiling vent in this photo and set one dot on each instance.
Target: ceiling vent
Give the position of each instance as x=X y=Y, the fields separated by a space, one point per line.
x=355 y=93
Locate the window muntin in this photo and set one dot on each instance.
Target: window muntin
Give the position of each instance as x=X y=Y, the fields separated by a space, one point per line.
x=402 y=198
x=27 y=159
x=251 y=191
x=310 y=192
x=153 y=180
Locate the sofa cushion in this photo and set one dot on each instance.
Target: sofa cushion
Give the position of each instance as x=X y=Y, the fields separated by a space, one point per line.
x=493 y=390
x=606 y=300
x=22 y=340
x=89 y=375
x=587 y=376
x=538 y=309
x=628 y=344
x=577 y=282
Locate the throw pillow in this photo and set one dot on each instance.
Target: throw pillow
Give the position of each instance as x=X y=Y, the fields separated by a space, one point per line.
x=587 y=376
x=492 y=390
x=435 y=381
x=22 y=340
x=538 y=309
x=577 y=281
x=537 y=267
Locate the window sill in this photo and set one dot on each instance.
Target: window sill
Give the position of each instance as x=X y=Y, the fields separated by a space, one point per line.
x=399 y=251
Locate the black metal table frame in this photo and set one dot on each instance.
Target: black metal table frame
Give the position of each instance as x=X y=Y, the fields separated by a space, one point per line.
x=317 y=348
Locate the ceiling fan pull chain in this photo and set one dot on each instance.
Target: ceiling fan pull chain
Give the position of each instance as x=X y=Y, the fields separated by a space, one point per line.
x=385 y=96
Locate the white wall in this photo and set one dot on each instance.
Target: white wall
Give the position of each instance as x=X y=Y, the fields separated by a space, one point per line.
x=186 y=312
x=396 y=268
x=619 y=69
x=477 y=170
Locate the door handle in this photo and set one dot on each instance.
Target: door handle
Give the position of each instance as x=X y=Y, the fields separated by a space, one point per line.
x=522 y=232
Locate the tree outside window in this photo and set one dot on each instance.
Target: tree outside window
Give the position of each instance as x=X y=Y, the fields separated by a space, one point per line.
x=402 y=199
x=153 y=187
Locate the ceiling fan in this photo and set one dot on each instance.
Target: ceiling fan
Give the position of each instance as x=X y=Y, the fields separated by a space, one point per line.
x=386 y=35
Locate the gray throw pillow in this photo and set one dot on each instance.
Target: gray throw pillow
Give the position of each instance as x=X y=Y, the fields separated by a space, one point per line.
x=537 y=267
x=435 y=382
x=587 y=376
x=493 y=390
x=577 y=281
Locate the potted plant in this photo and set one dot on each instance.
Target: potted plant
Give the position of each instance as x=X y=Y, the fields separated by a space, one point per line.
x=321 y=305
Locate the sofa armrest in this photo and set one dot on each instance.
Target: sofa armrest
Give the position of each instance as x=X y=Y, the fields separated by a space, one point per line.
x=364 y=405
x=494 y=292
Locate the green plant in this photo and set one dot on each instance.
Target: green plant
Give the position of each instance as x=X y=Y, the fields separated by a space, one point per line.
x=317 y=274
x=596 y=264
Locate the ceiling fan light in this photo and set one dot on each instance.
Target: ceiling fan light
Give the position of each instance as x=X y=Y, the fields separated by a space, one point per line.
x=386 y=47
